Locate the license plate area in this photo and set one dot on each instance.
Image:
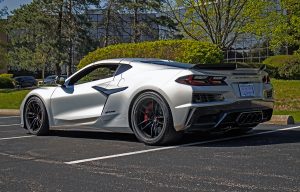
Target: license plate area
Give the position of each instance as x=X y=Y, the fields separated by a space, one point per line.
x=246 y=90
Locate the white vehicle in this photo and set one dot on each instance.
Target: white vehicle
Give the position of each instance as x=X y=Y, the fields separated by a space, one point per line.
x=155 y=99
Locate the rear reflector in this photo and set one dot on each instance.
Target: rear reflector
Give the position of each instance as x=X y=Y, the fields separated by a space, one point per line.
x=207 y=97
x=266 y=79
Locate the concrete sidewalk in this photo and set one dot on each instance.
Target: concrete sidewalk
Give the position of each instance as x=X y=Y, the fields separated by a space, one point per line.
x=9 y=112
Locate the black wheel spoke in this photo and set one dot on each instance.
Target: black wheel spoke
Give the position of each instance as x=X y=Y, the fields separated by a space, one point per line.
x=146 y=126
x=149 y=117
x=39 y=122
x=35 y=118
x=30 y=107
x=30 y=115
x=152 y=129
x=33 y=123
x=34 y=115
x=142 y=112
x=143 y=122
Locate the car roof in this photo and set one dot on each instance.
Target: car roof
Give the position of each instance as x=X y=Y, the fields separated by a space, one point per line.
x=50 y=76
x=150 y=61
x=24 y=77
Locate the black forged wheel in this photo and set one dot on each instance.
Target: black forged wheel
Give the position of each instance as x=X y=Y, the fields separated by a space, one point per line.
x=151 y=120
x=35 y=117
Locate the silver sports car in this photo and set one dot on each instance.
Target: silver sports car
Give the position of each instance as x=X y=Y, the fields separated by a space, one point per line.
x=155 y=99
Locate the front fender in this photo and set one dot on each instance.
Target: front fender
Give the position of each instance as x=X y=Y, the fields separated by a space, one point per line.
x=44 y=93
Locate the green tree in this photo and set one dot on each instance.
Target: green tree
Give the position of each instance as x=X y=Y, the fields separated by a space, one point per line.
x=218 y=21
x=3 y=45
x=48 y=33
x=73 y=29
x=287 y=30
x=32 y=42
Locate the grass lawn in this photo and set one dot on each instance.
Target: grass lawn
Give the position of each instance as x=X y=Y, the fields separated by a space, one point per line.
x=287 y=96
x=11 y=99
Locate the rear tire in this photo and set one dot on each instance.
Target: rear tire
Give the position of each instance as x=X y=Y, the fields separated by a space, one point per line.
x=151 y=120
x=35 y=117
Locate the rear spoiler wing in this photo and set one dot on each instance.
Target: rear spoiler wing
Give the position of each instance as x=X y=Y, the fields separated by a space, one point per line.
x=229 y=66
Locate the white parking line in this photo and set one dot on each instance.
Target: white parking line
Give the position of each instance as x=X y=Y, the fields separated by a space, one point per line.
x=20 y=137
x=8 y=117
x=9 y=125
x=176 y=146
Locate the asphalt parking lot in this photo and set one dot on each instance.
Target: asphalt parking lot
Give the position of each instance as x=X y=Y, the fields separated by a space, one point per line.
x=89 y=160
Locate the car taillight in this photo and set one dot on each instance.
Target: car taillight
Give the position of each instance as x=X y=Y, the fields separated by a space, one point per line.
x=266 y=79
x=201 y=80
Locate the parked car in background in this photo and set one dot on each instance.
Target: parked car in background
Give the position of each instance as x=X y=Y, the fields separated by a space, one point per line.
x=50 y=80
x=25 y=81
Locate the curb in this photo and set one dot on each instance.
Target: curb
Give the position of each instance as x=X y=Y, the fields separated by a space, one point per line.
x=281 y=120
x=276 y=119
x=10 y=112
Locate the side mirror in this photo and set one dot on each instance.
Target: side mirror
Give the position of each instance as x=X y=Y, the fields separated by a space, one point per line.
x=60 y=80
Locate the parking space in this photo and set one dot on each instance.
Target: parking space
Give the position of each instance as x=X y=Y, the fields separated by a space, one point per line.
x=268 y=159
x=9 y=127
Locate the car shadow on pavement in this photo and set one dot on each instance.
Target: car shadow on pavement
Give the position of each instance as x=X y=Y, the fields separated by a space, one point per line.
x=280 y=137
x=94 y=135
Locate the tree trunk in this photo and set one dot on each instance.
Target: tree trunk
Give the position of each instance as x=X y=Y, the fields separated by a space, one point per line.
x=70 y=62
x=59 y=35
x=106 y=38
x=57 y=69
x=136 y=36
x=43 y=72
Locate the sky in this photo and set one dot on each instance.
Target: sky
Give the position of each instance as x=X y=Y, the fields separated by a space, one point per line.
x=13 y=4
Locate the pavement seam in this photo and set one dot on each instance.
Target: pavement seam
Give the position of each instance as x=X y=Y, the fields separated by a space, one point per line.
x=9 y=125
x=18 y=137
x=9 y=117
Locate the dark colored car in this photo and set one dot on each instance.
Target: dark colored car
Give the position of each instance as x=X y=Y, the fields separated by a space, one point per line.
x=50 y=80
x=25 y=81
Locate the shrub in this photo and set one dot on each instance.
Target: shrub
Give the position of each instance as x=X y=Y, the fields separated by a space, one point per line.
x=6 y=75
x=291 y=70
x=187 y=51
x=284 y=66
x=6 y=83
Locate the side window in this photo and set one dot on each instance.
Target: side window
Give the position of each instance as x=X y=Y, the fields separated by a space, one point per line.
x=122 y=68
x=94 y=73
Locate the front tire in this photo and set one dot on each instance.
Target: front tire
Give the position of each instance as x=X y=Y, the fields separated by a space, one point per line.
x=35 y=117
x=151 y=120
